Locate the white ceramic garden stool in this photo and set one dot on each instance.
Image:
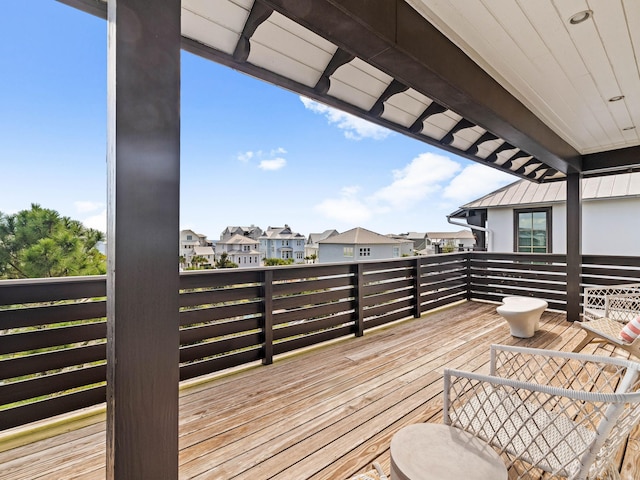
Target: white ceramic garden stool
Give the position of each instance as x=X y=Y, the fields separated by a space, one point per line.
x=429 y=451
x=522 y=314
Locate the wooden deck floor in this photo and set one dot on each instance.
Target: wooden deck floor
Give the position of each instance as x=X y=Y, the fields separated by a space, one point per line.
x=324 y=414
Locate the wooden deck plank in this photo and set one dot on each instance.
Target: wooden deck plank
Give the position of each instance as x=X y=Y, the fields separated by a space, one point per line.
x=327 y=413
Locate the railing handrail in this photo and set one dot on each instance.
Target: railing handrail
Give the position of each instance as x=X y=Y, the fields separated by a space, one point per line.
x=231 y=317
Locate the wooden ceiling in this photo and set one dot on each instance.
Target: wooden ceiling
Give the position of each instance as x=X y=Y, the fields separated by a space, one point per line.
x=510 y=84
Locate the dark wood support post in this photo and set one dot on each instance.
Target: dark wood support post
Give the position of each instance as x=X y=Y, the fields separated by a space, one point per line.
x=417 y=287
x=358 y=282
x=267 y=319
x=143 y=196
x=574 y=245
x=468 y=273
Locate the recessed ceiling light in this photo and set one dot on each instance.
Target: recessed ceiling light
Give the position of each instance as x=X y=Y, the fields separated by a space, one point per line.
x=616 y=98
x=629 y=128
x=580 y=17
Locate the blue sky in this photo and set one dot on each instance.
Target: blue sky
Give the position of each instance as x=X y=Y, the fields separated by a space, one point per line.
x=251 y=153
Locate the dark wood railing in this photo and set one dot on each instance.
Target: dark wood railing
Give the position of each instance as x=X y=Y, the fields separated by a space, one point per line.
x=52 y=331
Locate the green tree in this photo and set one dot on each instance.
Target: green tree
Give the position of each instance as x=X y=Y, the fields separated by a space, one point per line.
x=224 y=262
x=198 y=261
x=274 y=262
x=40 y=243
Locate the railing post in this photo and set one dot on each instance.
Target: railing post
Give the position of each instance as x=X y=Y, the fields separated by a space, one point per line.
x=267 y=317
x=468 y=274
x=417 y=288
x=358 y=283
x=574 y=245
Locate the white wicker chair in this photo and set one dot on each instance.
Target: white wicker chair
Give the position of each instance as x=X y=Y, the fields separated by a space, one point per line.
x=605 y=312
x=614 y=301
x=562 y=413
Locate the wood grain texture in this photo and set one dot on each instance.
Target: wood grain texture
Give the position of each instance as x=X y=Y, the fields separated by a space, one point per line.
x=326 y=413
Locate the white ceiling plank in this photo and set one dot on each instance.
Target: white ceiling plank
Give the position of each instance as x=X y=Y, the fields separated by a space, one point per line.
x=351 y=94
x=561 y=72
x=221 y=34
x=432 y=131
x=294 y=45
x=398 y=115
x=265 y=57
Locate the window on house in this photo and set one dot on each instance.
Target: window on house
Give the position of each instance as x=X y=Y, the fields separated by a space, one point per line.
x=396 y=251
x=532 y=230
x=365 y=252
x=299 y=255
x=348 y=251
x=189 y=237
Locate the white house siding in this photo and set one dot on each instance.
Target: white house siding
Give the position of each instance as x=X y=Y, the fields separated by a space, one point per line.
x=609 y=227
x=500 y=225
x=331 y=253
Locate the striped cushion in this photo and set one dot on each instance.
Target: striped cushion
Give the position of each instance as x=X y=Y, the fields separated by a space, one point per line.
x=631 y=330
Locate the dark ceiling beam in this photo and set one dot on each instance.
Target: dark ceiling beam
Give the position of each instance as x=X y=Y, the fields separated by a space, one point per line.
x=340 y=58
x=318 y=93
x=395 y=38
x=614 y=161
x=97 y=8
x=392 y=89
x=485 y=137
x=434 y=108
x=217 y=56
x=461 y=125
x=259 y=14
x=493 y=156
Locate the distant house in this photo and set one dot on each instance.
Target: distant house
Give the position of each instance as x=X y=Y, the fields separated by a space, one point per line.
x=531 y=217
x=361 y=244
x=311 y=247
x=241 y=250
x=205 y=253
x=420 y=239
x=281 y=242
x=189 y=240
x=252 y=232
x=460 y=239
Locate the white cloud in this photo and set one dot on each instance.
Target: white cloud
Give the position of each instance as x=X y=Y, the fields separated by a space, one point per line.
x=245 y=157
x=423 y=176
x=420 y=178
x=85 y=207
x=475 y=181
x=98 y=221
x=346 y=209
x=278 y=151
x=274 y=164
x=354 y=128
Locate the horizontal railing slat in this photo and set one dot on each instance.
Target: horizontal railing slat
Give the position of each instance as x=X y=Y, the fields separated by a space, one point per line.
x=52 y=337
x=31 y=364
x=224 y=313
x=219 y=347
x=313 y=298
x=51 y=407
x=311 y=312
x=46 y=315
x=49 y=384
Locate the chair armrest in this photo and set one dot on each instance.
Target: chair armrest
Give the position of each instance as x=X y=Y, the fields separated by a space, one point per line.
x=622 y=307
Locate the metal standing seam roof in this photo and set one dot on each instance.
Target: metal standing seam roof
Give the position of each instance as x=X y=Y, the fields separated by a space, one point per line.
x=526 y=193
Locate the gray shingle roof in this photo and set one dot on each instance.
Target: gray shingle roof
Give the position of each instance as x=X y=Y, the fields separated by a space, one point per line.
x=361 y=236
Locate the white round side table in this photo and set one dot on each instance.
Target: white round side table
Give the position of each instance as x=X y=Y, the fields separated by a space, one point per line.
x=430 y=451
